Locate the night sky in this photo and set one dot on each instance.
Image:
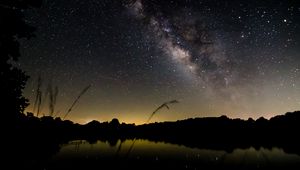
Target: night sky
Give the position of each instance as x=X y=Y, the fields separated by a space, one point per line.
x=216 y=57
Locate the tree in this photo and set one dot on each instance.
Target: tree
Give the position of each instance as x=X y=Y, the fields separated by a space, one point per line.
x=12 y=79
x=115 y=122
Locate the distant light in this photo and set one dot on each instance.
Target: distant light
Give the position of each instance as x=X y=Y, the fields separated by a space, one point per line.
x=284 y=20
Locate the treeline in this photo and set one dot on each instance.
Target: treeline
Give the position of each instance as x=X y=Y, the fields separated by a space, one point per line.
x=210 y=132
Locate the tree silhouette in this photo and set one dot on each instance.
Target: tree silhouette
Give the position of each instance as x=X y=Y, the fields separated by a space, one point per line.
x=12 y=79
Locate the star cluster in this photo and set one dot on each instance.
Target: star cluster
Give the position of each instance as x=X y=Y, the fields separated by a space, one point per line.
x=216 y=57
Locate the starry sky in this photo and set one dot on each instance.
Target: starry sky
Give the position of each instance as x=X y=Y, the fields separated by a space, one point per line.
x=229 y=57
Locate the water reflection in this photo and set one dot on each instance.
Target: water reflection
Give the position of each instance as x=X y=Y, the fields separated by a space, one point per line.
x=147 y=154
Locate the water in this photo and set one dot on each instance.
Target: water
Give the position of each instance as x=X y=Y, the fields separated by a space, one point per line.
x=159 y=155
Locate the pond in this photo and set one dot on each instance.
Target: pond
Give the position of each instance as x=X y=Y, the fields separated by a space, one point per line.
x=144 y=154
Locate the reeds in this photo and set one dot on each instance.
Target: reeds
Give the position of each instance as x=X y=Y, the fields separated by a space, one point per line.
x=52 y=93
x=52 y=98
x=160 y=107
x=38 y=97
x=76 y=100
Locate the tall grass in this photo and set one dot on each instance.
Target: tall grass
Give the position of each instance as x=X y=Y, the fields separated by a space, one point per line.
x=51 y=94
x=38 y=97
x=76 y=100
x=52 y=98
x=160 y=107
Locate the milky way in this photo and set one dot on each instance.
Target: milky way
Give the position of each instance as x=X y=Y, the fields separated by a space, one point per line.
x=187 y=38
x=230 y=57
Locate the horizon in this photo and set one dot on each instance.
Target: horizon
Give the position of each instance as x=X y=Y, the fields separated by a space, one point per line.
x=163 y=121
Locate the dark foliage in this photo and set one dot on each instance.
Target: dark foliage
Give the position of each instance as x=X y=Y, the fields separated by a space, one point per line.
x=12 y=79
